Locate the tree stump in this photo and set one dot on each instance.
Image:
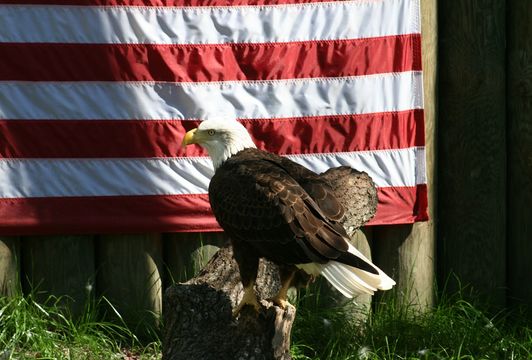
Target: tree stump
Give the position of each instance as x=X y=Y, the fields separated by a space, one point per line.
x=198 y=321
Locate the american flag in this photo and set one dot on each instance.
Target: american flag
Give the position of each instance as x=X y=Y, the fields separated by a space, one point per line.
x=96 y=95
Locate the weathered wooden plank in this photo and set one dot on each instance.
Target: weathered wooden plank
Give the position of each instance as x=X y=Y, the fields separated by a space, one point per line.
x=186 y=253
x=472 y=143
x=519 y=100
x=406 y=255
x=59 y=266
x=362 y=241
x=9 y=266
x=407 y=252
x=129 y=275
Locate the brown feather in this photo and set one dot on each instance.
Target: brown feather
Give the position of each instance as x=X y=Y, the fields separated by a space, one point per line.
x=358 y=195
x=286 y=212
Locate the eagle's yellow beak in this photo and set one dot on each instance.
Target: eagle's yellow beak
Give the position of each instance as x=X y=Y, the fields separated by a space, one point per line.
x=189 y=138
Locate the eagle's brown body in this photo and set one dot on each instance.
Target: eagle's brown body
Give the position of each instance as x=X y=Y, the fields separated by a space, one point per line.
x=275 y=208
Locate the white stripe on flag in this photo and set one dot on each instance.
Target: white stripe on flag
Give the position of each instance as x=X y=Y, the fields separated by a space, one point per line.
x=261 y=99
x=207 y=25
x=398 y=167
x=169 y=176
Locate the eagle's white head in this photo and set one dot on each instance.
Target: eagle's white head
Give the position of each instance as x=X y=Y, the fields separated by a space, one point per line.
x=222 y=137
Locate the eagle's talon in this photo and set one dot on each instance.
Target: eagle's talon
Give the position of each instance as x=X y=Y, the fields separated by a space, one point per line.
x=280 y=302
x=250 y=299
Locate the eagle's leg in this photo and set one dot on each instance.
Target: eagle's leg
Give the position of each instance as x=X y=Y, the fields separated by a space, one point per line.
x=248 y=265
x=249 y=298
x=286 y=274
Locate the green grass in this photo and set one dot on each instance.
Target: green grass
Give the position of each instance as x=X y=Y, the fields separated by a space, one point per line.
x=454 y=329
x=32 y=330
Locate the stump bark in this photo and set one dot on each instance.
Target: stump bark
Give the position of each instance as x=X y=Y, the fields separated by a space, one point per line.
x=198 y=321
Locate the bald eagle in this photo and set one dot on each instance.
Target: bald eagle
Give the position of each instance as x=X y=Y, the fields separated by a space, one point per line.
x=274 y=208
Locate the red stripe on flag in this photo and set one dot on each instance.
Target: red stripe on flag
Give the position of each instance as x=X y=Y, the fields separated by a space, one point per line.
x=339 y=133
x=198 y=63
x=152 y=138
x=110 y=214
x=158 y=2
x=401 y=205
x=90 y=138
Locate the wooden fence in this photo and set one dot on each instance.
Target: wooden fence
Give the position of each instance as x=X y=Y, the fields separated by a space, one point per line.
x=485 y=147
x=479 y=53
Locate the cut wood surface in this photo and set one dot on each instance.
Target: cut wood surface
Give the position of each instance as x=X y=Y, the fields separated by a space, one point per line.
x=198 y=321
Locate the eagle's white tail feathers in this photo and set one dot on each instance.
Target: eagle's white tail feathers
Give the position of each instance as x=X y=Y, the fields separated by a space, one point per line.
x=344 y=278
x=384 y=281
x=349 y=280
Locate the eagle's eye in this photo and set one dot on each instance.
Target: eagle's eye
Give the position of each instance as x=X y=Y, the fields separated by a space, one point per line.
x=211 y=132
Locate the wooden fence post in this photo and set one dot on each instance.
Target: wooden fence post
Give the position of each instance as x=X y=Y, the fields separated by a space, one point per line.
x=129 y=275
x=472 y=146
x=59 y=266
x=407 y=252
x=9 y=266
x=362 y=241
x=186 y=253
x=519 y=99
